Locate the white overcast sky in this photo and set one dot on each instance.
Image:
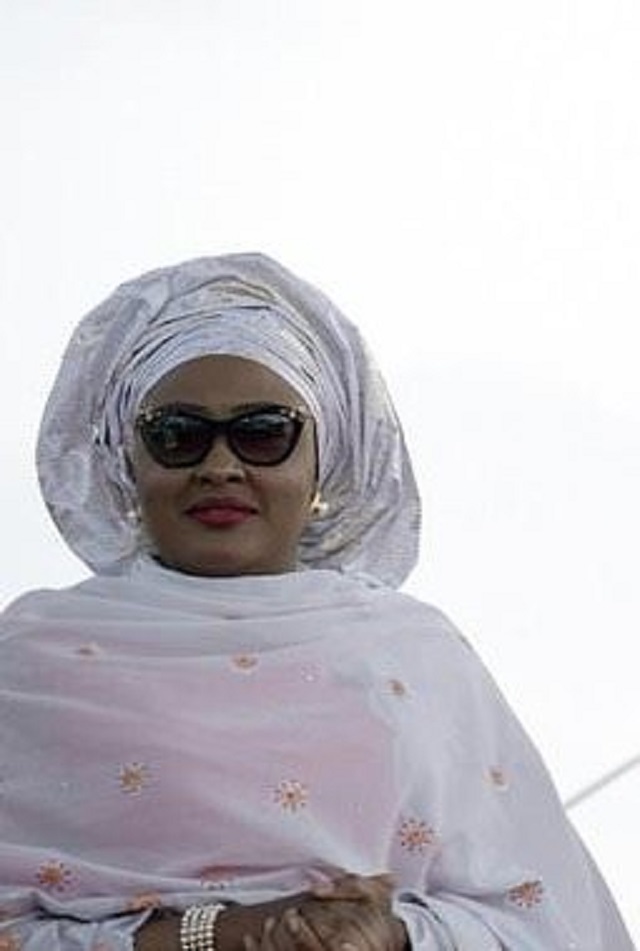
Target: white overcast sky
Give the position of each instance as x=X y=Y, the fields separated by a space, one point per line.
x=463 y=179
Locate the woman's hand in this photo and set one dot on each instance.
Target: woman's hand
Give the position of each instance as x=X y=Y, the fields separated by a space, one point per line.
x=350 y=914
x=159 y=934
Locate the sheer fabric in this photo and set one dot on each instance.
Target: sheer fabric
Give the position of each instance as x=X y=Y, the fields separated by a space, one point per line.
x=167 y=739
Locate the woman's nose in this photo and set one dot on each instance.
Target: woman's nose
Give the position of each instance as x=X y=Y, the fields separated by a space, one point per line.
x=220 y=463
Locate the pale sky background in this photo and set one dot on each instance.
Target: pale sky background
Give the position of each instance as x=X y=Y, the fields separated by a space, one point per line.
x=462 y=178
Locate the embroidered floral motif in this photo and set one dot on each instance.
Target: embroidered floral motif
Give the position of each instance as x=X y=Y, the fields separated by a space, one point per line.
x=54 y=876
x=527 y=894
x=144 y=901
x=498 y=777
x=244 y=661
x=10 y=942
x=291 y=795
x=133 y=777
x=397 y=687
x=416 y=836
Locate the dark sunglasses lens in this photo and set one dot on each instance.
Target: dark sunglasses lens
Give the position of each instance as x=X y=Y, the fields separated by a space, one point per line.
x=264 y=439
x=176 y=439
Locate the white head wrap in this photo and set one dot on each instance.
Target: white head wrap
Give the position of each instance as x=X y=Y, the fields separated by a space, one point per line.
x=245 y=305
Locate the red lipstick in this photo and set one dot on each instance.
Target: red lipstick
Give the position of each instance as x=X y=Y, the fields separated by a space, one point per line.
x=222 y=512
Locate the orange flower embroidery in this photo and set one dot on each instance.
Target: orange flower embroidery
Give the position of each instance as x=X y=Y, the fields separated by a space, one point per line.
x=144 y=901
x=398 y=689
x=526 y=895
x=54 y=876
x=416 y=836
x=133 y=777
x=10 y=942
x=291 y=795
x=244 y=661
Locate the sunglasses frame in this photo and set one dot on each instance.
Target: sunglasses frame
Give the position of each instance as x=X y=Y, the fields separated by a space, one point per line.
x=219 y=427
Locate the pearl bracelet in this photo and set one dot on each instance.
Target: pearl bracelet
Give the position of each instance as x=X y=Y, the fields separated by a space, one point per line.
x=198 y=927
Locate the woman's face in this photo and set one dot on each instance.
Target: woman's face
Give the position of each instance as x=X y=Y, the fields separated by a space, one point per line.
x=224 y=516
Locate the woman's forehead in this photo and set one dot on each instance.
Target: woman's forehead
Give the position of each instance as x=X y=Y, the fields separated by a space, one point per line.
x=224 y=380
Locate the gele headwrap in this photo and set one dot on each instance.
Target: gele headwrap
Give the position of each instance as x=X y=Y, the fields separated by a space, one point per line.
x=245 y=305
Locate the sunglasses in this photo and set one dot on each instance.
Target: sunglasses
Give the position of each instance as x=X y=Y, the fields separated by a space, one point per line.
x=176 y=437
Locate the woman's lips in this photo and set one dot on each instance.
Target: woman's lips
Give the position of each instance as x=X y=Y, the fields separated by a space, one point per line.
x=221 y=514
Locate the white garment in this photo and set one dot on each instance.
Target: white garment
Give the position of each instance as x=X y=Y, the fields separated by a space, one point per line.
x=168 y=738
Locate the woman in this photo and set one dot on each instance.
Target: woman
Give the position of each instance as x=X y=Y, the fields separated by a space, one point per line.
x=237 y=734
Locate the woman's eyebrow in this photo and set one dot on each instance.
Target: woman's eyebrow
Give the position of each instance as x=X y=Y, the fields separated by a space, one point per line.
x=227 y=411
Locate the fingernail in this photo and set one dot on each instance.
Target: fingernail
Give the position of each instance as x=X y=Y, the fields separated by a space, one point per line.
x=292 y=920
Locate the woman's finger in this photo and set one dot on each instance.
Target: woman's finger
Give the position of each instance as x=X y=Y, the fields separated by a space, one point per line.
x=276 y=936
x=363 y=925
x=264 y=942
x=304 y=937
x=288 y=932
x=375 y=888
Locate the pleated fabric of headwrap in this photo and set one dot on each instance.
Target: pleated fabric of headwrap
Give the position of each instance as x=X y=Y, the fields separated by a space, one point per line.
x=244 y=305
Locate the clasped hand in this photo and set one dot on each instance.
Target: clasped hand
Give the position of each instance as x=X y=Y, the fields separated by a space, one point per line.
x=352 y=913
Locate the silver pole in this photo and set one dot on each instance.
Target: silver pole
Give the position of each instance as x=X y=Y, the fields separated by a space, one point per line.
x=603 y=781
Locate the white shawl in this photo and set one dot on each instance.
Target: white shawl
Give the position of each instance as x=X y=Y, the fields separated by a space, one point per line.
x=168 y=738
